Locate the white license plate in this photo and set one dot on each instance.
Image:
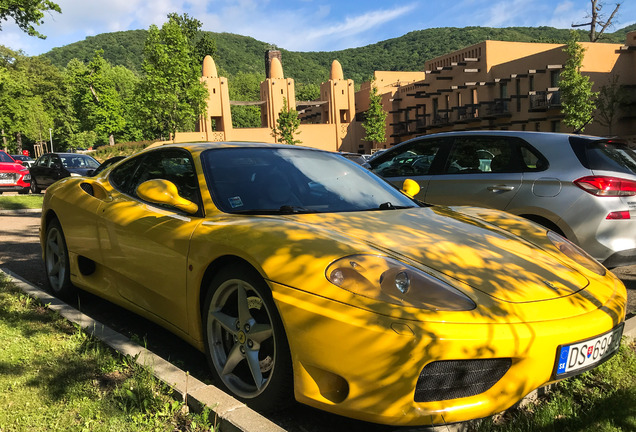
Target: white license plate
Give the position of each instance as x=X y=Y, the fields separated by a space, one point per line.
x=579 y=356
x=6 y=181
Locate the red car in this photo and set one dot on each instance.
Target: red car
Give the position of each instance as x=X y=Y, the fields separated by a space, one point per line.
x=14 y=177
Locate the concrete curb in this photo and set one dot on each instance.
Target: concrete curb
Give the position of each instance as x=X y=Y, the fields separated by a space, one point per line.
x=232 y=415
x=17 y=212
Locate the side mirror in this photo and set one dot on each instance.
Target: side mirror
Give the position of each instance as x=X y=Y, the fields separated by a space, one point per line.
x=165 y=192
x=410 y=187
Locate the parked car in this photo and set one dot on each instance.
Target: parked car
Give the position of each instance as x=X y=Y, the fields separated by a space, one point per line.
x=582 y=187
x=14 y=177
x=299 y=273
x=27 y=161
x=358 y=158
x=51 y=167
x=107 y=163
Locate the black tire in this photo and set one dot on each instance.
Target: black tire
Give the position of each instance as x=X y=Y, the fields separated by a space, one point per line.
x=34 y=186
x=56 y=260
x=245 y=341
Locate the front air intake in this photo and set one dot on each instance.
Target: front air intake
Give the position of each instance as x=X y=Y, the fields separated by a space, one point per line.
x=452 y=379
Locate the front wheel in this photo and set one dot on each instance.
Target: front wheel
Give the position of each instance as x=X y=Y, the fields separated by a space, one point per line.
x=245 y=341
x=34 y=186
x=56 y=260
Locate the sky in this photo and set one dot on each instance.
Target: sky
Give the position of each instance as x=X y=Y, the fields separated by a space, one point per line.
x=303 y=25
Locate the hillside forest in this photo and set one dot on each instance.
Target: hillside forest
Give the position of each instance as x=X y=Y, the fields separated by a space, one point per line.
x=144 y=84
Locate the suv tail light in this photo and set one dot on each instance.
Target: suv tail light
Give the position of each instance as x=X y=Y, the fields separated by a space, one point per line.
x=607 y=186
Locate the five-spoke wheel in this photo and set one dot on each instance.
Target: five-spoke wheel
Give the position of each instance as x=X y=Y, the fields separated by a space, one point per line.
x=245 y=340
x=56 y=260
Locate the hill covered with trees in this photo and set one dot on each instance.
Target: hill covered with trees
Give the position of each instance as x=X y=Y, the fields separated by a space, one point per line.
x=241 y=54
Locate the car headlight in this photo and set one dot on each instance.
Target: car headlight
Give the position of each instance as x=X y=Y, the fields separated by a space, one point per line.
x=575 y=253
x=389 y=280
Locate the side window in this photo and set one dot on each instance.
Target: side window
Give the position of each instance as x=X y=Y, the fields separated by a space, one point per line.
x=43 y=161
x=533 y=160
x=484 y=154
x=122 y=177
x=413 y=159
x=55 y=162
x=170 y=164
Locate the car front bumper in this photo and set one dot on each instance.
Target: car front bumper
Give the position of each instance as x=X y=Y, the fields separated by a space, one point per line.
x=365 y=365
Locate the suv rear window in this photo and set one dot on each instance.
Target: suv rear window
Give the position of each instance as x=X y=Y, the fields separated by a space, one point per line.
x=604 y=155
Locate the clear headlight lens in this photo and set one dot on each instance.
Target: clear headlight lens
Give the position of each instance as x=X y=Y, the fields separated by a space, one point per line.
x=575 y=253
x=391 y=281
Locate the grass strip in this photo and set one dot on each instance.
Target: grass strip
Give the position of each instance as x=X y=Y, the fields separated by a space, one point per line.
x=55 y=377
x=21 y=202
x=600 y=400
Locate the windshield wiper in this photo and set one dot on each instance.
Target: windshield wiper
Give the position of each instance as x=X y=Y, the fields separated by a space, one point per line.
x=389 y=206
x=286 y=209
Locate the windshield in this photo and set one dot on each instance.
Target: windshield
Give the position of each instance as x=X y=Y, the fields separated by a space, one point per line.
x=79 y=161
x=6 y=158
x=274 y=180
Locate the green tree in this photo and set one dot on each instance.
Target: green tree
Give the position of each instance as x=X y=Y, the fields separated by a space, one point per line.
x=245 y=86
x=201 y=42
x=171 y=95
x=33 y=98
x=577 y=97
x=97 y=103
x=374 y=122
x=27 y=13
x=307 y=92
x=287 y=125
x=608 y=103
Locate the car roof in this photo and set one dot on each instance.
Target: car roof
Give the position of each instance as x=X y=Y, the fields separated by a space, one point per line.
x=201 y=146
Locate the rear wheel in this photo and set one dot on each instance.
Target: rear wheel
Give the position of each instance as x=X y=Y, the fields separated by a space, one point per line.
x=245 y=341
x=34 y=186
x=56 y=260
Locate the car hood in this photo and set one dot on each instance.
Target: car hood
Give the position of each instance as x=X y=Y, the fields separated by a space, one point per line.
x=10 y=166
x=465 y=248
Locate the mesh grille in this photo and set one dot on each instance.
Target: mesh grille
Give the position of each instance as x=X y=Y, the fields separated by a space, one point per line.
x=88 y=188
x=452 y=379
x=8 y=177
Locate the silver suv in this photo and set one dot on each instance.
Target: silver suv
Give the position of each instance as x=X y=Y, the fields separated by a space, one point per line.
x=582 y=187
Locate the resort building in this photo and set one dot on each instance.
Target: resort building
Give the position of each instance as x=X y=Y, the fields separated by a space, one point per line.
x=490 y=85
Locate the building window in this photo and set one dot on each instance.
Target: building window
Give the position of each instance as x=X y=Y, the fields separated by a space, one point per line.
x=555 y=126
x=518 y=91
x=503 y=90
x=554 y=78
x=531 y=83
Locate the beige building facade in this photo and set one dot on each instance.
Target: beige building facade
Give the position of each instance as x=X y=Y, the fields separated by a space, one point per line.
x=331 y=130
x=509 y=85
x=490 y=85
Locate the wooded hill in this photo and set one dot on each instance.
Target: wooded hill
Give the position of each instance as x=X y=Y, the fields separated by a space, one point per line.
x=236 y=53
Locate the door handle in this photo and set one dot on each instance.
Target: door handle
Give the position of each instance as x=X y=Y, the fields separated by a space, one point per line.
x=500 y=188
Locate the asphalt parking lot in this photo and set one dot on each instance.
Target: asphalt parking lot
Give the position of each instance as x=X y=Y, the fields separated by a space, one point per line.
x=20 y=254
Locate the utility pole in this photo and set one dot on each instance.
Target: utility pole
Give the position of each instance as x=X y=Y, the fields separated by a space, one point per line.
x=51 y=138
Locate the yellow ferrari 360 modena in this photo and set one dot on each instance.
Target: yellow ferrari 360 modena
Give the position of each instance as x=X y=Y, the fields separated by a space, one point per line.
x=300 y=274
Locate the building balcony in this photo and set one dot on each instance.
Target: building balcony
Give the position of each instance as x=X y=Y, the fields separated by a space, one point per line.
x=497 y=108
x=440 y=119
x=545 y=100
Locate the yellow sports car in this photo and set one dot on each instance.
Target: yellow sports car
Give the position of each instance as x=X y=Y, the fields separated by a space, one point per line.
x=301 y=274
